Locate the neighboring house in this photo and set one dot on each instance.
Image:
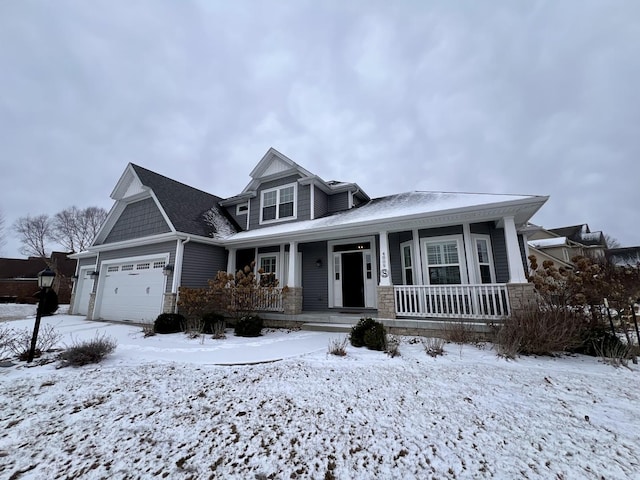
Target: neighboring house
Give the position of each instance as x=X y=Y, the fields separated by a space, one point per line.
x=19 y=277
x=414 y=254
x=560 y=245
x=624 y=256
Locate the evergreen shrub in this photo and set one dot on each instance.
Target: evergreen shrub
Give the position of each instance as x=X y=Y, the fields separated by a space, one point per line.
x=249 y=326
x=169 y=323
x=368 y=333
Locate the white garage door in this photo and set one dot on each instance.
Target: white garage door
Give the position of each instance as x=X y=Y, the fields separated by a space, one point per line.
x=83 y=290
x=132 y=290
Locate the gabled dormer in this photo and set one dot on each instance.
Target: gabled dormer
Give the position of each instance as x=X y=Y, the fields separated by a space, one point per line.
x=282 y=191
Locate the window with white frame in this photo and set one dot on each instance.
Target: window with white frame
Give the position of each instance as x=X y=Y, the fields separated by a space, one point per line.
x=267 y=269
x=444 y=259
x=278 y=203
x=484 y=259
x=406 y=250
x=242 y=208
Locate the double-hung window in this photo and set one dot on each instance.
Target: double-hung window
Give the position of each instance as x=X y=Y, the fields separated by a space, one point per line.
x=278 y=203
x=267 y=269
x=444 y=258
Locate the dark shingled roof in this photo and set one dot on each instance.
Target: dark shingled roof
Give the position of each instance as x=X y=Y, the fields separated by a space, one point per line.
x=184 y=205
x=581 y=234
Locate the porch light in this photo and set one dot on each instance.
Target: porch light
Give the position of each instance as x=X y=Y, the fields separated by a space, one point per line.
x=319 y=263
x=45 y=281
x=167 y=269
x=46 y=278
x=94 y=274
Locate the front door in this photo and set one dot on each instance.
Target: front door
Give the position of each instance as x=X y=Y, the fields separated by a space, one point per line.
x=352 y=280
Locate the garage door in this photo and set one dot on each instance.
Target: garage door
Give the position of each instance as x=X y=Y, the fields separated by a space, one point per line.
x=132 y=290
x=83 y=290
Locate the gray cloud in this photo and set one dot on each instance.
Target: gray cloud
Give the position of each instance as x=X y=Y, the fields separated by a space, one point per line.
x=514 y=97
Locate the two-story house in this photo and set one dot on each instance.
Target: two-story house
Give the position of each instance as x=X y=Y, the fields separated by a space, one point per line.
x=411 y=255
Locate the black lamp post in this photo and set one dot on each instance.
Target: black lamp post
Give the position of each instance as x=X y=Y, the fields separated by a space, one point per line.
x=45 y=281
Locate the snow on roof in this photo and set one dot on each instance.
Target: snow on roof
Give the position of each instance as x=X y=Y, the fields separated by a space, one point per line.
x=549 y=242
x=388 y=208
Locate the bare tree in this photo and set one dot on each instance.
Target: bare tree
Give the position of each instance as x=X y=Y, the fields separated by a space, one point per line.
x=75 y=229
x=612 y=242
x=33 y=233
x=3 y=238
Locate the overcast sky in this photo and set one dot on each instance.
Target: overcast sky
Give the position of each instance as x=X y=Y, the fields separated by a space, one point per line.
x=528 y=97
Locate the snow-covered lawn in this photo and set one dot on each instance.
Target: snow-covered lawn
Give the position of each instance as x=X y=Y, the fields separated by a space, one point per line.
x=161 y=407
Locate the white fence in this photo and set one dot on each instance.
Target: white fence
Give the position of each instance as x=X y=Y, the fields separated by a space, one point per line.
x=262 y=299
x=482 y=302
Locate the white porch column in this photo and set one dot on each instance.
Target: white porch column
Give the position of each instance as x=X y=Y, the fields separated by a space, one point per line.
x=231 y=260
x=418 y=277
x=516 y=269
x=469 y=248
x=385 y=268
x=293 y=258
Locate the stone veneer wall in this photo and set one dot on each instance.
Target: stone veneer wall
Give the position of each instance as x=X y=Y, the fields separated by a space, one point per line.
x=521 y=296
x=92 y=304
x=386 y=302
x=292 y=300
x=169 y=303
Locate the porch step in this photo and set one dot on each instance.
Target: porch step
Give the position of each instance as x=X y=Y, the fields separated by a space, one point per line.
x=327 y=327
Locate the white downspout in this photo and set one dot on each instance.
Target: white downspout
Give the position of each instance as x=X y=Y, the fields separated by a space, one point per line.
x=177 y=271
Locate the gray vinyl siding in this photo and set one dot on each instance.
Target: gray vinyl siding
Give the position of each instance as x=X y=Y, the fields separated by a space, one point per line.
x=499 y=247
x=201 y=263
x=395 y=255
x=85 y=262
x=321 y=203
x=139 y=219
x=314 y=280
x=338 y=202
x=254 y=209
x=241 y=220
x=151 y=249
x=523 y=254
x=481 y=228
x=304 y=202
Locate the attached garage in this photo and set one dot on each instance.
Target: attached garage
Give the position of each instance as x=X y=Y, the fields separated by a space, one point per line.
x=83 y=290
x=131 y=289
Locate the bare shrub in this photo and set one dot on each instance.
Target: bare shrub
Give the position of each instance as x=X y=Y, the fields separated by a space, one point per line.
x=218 y=329
x=148 y=330
x=393 y=346
x=613 y=353
x=433 y=346
x=19 y=341
x=540 y=331
x=458 y=332
x=89 y=351
x=5 y=340
x=193 y=327
x=338 y=346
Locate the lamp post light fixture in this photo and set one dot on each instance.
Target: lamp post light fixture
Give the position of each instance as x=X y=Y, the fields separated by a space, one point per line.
x=45 y=281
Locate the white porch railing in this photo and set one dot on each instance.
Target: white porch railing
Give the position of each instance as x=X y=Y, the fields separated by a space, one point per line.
x=262 y=299
x=481 y=302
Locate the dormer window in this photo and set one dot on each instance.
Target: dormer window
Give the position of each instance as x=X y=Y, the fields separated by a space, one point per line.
x=242 y=208
x=278 y=204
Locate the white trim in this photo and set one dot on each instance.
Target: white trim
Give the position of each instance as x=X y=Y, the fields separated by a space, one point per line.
x=103 y=270
x=278 y=265
x=245 y=212
x=418 y=276
x=331 y=270
x=516 y=269
x=385 y=261
x=461 y=255
x=475 y=237
x=312 y=205
x=278 y=189
x=469 y=249
x=403 y=245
